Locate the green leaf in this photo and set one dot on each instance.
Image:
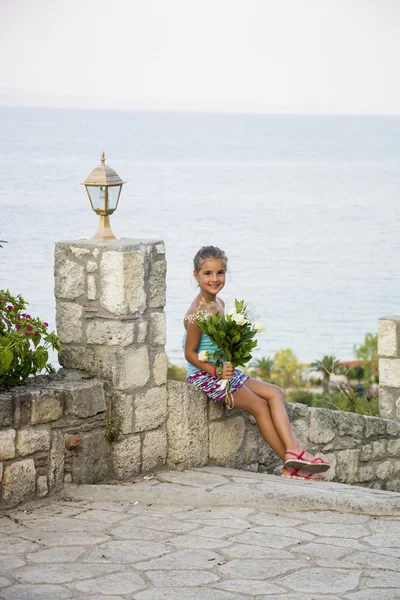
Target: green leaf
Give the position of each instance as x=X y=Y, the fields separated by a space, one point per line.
x=6 y=358
x=41 y=356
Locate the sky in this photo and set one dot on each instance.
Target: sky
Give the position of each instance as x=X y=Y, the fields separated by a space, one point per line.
x=255 y=56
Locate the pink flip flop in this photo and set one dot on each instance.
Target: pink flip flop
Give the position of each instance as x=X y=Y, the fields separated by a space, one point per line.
x=316 y=465
x=293 y=474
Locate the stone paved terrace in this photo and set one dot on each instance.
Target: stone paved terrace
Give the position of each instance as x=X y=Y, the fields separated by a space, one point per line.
x=204 y=534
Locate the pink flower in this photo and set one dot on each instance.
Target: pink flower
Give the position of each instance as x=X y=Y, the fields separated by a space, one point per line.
x=46 y=324
x=9 y=307
x=30 y=327
x=36 y=333
x=17 y=327
x=25 y=333
x=27 y=316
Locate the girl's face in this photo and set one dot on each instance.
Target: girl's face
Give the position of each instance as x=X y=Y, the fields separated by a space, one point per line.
x=211 y=276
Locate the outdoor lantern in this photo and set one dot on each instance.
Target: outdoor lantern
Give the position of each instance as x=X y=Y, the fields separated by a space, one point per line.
x=104 y=187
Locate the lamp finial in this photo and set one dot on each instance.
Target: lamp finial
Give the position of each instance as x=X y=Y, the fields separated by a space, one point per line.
x=103 y=158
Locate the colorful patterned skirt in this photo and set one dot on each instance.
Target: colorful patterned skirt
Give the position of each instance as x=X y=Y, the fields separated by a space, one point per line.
x=210 y=385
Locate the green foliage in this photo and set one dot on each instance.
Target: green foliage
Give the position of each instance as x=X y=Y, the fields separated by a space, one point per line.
x=176 y=373
x=301 y=396
x=24 y=342
x=261 y=368
x=368 y=354
x=287 y=369
x=233 y=334
x=113 y=431
x=348 y=401
x=356 y=372
x=327 y=366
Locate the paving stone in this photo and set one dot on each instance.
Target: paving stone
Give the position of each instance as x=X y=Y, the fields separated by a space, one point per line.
x=371 y=595
x=125 y=551
x=371 y=559
x=216 y=532
x=330 y=517
x=193 y=594
x=209 y=480
x=4 y=582
x=314 y=550
x=257 y=569
x=37 y=592
x=181 y=578
x=336 y=530
x=271 y=520
x=383 y=579
x=128 y=532
x=123 y=582
x=64 y=524
x=385 y=540
x=10 y=545
x=108 y=506
x=337 y=581
x=194 y=541
x=214 y=512
x=183 y=559
x=57 y=538
x=64 y=573
x=263 y=539
x=104 y=516
x=385 y=526
x=302 y=597
x=100 y=597
x=249 y=587
x=239 y=524
x=340 y=542
x=297 y=534
x=7 y=526
x=9 y=563
x=57 y=555
x=247 y=551
x=162 y=524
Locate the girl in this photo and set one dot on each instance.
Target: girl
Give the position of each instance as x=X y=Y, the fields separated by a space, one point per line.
x=263 y=400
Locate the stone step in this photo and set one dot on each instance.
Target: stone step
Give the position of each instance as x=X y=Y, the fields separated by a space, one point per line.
x=219 y=486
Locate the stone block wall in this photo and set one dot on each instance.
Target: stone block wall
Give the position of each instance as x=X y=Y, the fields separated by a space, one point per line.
x=362 y=450
x=110 y=299
x=389 y=367
x=51 y=431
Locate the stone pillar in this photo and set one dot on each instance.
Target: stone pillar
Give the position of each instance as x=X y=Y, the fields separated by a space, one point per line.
x=389 y=367
x=110 y=298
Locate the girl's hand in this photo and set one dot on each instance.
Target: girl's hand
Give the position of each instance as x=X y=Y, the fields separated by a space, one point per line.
x=227 y=371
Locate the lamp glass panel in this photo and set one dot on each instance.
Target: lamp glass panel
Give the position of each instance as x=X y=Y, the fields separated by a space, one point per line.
x=98 y=196
x=113 y=193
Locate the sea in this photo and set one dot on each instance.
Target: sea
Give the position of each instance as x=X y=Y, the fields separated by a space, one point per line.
x=307 y=208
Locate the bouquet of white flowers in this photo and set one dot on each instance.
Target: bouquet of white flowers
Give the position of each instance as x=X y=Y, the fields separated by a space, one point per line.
x=234 y=335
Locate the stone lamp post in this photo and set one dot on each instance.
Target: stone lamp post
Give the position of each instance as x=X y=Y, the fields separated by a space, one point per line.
x=110 y=298
x=104 y=187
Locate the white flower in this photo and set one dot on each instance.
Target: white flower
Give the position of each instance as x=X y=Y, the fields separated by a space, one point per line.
x=203 y=356
x=223 y=383
x=239 y=318
x=259 y=326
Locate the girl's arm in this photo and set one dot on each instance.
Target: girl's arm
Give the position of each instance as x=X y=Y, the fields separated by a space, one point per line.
x=191 y=345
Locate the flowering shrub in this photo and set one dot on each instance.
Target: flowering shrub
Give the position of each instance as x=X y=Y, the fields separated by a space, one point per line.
x=24 y=342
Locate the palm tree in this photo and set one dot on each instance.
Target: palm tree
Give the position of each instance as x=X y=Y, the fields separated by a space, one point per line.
x=262 y=367
x=327 y=366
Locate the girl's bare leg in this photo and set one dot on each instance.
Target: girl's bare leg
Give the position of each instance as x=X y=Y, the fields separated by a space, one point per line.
x=274 y=396
x=247 y=400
